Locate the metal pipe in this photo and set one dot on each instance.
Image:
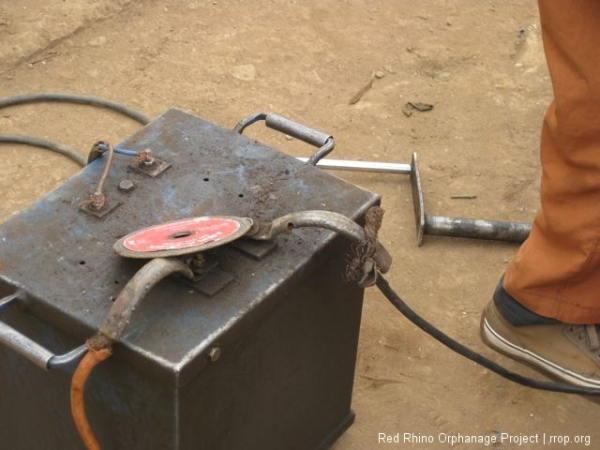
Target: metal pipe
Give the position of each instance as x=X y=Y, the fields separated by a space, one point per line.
x=25 y=346
x=476 y=228
x=321 y=152
x=362 y=166
x=297 y=130
x=7 y=301
x=247 y=121
x=34 y=352
x=457 y=226
x=59 y=361
x=435 y=225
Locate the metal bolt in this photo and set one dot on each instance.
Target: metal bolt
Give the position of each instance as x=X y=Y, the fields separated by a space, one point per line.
x=199 y=261
x=148 y=158
x=126 y=186
x=214 y=354
x=97 y=201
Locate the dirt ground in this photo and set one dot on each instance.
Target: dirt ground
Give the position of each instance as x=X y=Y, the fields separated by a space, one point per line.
x=479 y=63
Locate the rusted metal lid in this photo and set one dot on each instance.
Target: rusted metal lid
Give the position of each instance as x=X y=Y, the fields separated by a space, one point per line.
x=182 y=237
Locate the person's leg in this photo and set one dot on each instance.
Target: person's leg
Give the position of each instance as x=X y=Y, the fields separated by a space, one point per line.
x=556 y=273
x=554 y=280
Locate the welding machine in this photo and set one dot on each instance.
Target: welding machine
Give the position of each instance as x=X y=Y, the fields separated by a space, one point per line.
x=252 y=347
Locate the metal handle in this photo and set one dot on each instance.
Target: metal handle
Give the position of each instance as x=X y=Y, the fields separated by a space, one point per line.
x=30 y=349
x=349 y=165
x=292 y=128
x=321 y=219
x=136 y=290
x=496 y=230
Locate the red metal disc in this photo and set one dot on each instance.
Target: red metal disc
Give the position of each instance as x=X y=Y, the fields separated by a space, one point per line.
x=182 y=237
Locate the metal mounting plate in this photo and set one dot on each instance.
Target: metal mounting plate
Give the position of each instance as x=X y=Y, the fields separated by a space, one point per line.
x=152 y=170
x=100 y=213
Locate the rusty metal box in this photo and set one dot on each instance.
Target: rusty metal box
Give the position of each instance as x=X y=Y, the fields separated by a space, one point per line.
x=261 y=356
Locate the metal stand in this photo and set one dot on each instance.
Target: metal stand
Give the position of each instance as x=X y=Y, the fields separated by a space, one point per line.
x=456 y=226
x=434 y=225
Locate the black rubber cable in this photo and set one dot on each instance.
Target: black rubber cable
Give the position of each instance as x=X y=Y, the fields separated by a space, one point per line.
x=43 y=143
x=443 y=338
x=21 y=99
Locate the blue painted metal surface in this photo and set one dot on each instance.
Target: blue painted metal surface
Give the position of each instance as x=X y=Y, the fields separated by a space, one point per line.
x=287 y=326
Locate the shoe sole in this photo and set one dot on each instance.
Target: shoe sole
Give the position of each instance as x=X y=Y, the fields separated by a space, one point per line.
x=497 y=342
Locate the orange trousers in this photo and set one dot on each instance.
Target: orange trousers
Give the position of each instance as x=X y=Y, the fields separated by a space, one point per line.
x=556 y=272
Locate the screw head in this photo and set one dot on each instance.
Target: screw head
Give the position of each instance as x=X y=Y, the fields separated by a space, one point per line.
x=126 y=186
x=214 y=354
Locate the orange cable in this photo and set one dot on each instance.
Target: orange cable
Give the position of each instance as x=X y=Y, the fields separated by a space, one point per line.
x=91 y=359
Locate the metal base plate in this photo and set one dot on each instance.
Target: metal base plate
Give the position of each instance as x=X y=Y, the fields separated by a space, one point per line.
x=153 y=170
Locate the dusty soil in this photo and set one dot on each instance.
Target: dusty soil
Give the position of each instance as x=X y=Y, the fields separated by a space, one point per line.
x=479 y=63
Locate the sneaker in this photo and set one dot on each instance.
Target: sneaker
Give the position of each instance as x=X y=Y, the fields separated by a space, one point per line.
x=570 y=353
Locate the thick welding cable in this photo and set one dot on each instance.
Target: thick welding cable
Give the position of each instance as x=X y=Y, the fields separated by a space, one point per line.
x=43 y=143
x=446 y=340
x=92 y=358
x=119 y=316
x=57 y=147
x=39 y=97
x=74 y=98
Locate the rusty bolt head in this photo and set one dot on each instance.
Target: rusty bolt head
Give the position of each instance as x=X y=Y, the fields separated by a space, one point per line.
x=214 y=354
x=97 y=201
x=148 y=159
x=126 y=186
